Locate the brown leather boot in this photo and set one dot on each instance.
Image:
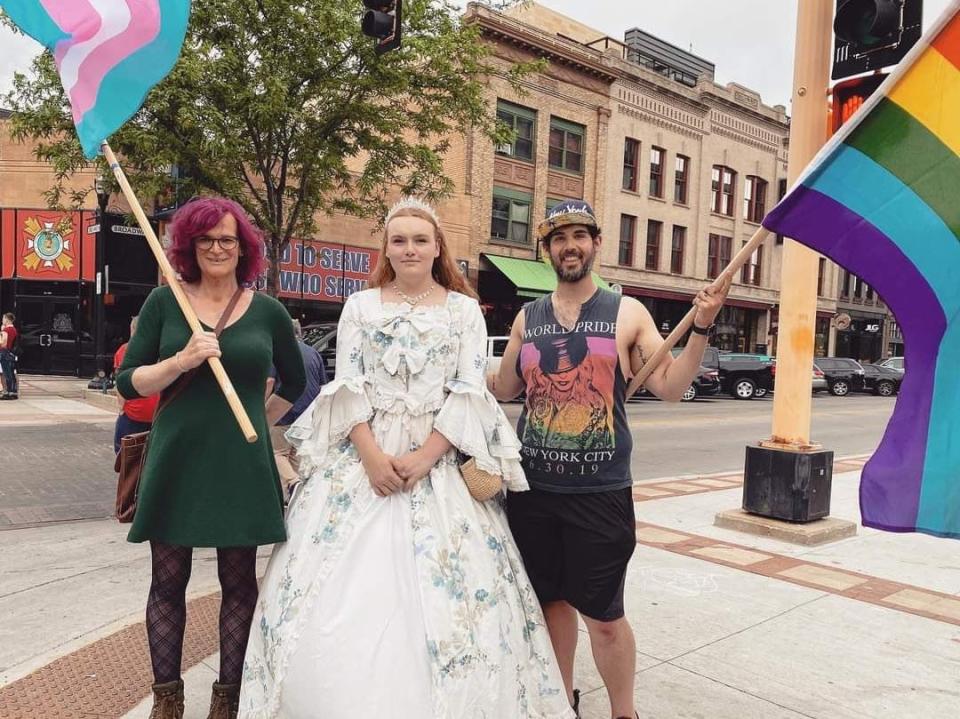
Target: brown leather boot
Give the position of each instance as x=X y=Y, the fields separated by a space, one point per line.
x=225 y=701
x=167 y=700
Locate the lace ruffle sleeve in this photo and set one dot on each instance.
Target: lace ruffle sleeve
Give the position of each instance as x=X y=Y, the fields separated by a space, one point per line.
x=341 y=404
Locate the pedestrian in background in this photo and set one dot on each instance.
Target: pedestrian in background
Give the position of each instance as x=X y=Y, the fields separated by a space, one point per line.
x=283 y=451
x=8 y=360
x=203 y=484
x=136 y=415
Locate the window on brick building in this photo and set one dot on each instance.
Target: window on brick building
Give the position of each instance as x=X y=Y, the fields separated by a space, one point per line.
x=654 y=232
x=723 y=186
x=628 y=231
x=631 y=164
x=781 y=193
x=681 y=179
x=718 y=254
x=658 y=157
x=754 y=199
x=821 y=273
x=566 y=145
x=750 y=273
x=510 y=217
x=522 y=121
x=677 y=244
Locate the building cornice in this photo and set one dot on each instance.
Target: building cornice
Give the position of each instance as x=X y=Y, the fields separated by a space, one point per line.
x=505 y=29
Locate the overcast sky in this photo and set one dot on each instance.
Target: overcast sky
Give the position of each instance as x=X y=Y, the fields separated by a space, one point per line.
x=750 y=41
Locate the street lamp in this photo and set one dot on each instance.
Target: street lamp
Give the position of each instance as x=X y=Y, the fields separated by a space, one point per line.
x=102 y=279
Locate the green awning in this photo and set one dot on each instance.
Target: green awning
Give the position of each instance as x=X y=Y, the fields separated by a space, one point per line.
x=533 y=278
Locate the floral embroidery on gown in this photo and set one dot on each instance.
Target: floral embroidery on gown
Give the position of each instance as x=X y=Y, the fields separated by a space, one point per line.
x=416 y=605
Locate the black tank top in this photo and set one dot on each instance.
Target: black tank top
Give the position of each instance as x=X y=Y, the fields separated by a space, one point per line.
x=573 y=427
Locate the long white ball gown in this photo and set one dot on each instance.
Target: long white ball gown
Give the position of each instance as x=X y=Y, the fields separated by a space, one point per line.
x=413 y=606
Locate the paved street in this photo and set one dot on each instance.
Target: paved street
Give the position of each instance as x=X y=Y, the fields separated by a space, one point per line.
x=729 y=625
x=709 y=435
x=58 y=457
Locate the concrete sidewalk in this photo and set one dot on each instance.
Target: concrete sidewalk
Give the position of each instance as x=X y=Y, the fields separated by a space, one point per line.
x=53 y=400
x=728 y=625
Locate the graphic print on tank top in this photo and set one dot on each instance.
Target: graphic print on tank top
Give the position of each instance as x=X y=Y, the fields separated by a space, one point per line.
x=573 y=426
x=570 y=380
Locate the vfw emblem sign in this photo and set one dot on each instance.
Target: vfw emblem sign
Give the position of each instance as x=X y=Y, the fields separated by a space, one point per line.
x=48 y=245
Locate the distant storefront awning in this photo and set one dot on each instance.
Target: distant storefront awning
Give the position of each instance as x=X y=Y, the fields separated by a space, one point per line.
x=532 y=278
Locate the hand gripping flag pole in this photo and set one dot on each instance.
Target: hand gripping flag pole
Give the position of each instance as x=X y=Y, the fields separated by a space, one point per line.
x=168 y=273
x=110 y=54
x=738 y=261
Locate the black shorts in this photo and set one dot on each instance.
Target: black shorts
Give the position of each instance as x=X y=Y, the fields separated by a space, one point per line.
x=576 y=547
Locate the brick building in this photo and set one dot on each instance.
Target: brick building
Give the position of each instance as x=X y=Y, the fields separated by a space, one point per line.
x=678 y=168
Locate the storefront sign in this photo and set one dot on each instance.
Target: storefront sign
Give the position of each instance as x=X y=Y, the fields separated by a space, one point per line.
x=126 y=230
x=47 y=245
x=324 y=271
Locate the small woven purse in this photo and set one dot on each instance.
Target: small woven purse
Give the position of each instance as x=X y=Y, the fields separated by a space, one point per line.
x=481 y=484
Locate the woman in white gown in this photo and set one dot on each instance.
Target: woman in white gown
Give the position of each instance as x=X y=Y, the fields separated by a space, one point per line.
x=398 y=595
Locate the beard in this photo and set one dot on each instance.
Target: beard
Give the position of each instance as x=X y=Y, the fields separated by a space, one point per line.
x=567 y=275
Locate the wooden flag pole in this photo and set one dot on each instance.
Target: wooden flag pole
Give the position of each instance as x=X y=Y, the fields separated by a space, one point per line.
x=192 y=320
x=738 y=261
x=792 y=398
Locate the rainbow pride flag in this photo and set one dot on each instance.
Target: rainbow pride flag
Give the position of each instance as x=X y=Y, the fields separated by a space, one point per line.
x=110 y=53
x=883 y=200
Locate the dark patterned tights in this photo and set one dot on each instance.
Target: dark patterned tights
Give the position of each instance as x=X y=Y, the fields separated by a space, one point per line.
x=167 y=608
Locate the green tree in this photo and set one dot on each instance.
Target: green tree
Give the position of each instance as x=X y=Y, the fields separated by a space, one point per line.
x=274 y=102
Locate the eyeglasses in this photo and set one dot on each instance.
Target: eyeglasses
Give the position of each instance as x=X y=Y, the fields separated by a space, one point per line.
x=226 y=243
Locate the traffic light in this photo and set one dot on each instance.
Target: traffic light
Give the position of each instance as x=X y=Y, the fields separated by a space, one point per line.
x=873 y=34
x=382 y=22
x=849 y=95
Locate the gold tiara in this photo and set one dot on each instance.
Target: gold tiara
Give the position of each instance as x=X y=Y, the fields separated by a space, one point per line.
x=412 y=203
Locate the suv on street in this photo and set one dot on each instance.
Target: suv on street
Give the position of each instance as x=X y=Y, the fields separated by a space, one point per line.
x=741 y=374
x=705 y=384
x=881 y=380
x=894 y=363
x=843 y=375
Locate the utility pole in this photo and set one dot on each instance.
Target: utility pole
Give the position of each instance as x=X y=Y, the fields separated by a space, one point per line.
x=788 y=476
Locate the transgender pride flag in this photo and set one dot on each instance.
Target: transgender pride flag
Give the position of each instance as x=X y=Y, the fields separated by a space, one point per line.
x=110 y=53
x=883 y=200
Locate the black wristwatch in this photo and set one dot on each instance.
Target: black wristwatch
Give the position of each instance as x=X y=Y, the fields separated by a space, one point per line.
x=705 y=331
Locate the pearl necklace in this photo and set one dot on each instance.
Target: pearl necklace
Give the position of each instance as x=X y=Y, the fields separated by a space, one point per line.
x=412 y=301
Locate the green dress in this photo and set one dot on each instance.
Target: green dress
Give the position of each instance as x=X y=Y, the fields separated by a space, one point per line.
x=203 y=484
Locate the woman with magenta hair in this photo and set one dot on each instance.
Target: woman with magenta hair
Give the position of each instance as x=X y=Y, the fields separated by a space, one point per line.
x=203 y=485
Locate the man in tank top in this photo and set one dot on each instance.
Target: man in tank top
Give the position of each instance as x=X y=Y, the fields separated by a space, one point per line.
x=572 y=352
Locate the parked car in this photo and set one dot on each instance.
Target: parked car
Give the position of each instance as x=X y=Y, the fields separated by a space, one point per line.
x=881 y=380
x=843 y=375
x=740 y=374
x=729 y=357
x=818 y=382
x=894 y=363
x=705 y=384
x=322 y=336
